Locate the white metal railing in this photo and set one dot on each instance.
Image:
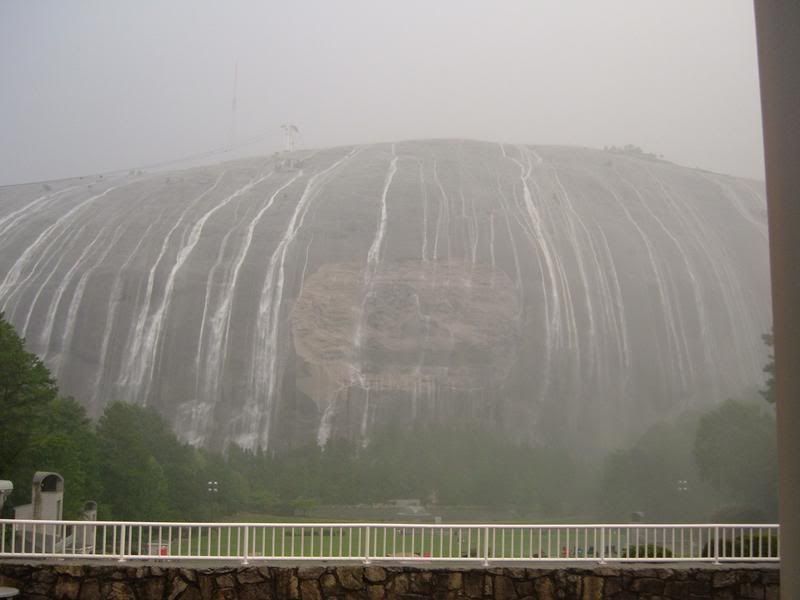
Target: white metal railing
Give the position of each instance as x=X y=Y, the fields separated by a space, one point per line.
x=385 y=542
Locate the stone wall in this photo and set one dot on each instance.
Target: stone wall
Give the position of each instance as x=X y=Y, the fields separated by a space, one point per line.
x=378 y=583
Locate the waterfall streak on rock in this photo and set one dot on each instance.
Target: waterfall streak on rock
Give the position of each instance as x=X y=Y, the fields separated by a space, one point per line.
x=55 y=301
x=111 y=313
x=423 y=193
x=673 y=342
x=209 y=371
x=554 y=217
x=491 y=240
x=77 y=297
x=142 y=358
x=12 y=219
x=571 y=213
x=444 y=215
x=305 y=266
x=733 y=198
x=137 y=333
x=740 y=323
x=54 y=262
x=619 y=303
x=515 y=254
x=12 y=279
x=373 y=261
x=257 y=411
x=555 y=279
x=684 y=356
x=699 y=302
x=216 y=354
x=374 y=254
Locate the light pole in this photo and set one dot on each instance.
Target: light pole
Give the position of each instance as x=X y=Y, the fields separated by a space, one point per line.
x=213 y=490
x=683 y=492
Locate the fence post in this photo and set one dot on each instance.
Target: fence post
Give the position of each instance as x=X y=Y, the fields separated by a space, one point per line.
x=602 y=545
x=246 y=545
x=716 y=545
x=122 y=536
x=366 y=539
x=485 y=546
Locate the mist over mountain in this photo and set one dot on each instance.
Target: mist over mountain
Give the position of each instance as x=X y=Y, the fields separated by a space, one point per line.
x=551 y=293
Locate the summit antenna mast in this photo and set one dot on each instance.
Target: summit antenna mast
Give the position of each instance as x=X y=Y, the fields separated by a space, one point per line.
x=232 y=133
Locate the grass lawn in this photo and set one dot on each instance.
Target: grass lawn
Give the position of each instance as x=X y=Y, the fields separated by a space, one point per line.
x=335 y=541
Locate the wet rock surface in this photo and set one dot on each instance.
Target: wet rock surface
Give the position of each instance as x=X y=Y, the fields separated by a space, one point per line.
x=529 y=288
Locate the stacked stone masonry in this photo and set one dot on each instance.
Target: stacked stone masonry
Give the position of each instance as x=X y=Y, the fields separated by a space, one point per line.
x=64 y=582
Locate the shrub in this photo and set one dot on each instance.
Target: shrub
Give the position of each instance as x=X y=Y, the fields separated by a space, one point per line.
x=745 y=546
x=646 y=551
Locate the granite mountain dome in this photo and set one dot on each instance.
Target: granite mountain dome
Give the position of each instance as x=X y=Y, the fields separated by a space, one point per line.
x=547 y=292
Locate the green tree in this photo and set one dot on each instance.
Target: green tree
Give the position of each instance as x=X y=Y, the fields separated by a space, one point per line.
x=768 y=392
x=134 y=484
x=735 y=451
x=656 y=475
x=63 y=442
x=26 y=389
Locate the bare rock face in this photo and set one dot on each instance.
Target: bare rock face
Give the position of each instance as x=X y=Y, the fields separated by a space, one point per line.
x=547 y=293
x=413 y=330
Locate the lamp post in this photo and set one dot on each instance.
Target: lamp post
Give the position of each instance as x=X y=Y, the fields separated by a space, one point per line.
x=213 y=490
x=682 y=486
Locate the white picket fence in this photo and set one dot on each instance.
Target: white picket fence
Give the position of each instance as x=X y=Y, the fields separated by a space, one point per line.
x=383 y=542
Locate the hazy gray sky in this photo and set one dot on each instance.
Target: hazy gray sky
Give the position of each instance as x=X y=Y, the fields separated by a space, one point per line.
x=93 y=86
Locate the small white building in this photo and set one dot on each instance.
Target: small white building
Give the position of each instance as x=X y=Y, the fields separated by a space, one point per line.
x=47 y=498
x=6 y=487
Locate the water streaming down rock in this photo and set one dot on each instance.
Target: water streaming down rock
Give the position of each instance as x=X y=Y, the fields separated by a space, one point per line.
x=547 y=292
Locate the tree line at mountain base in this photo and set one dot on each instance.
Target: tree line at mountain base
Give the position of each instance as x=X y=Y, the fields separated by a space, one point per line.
x=719 y=464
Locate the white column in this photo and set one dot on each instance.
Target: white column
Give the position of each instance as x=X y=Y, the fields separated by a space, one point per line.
x=778 y=32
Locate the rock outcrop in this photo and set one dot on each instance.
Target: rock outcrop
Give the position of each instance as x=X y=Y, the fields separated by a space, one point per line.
x=545 y=292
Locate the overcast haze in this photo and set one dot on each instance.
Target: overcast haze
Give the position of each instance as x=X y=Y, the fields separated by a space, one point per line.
x=96 y=86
